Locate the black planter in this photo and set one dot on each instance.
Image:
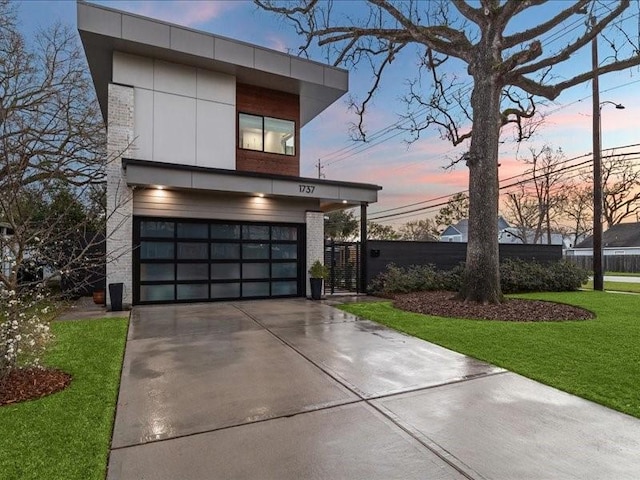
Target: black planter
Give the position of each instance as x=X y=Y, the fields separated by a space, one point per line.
x=316 y=288
x=115 y=293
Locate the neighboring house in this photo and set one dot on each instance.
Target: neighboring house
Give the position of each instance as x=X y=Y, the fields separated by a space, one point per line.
x=460 y=231
x=204 y=160
x=514 y=235
x=506 y=234
x=621 y=239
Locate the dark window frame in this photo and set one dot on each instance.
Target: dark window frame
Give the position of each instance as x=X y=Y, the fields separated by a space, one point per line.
x=175 y=261
x=262 y=117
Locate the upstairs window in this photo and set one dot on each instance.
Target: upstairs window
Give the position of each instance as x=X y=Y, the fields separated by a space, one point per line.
x=266 y=134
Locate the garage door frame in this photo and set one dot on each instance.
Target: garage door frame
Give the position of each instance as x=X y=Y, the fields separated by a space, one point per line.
x=173 y=243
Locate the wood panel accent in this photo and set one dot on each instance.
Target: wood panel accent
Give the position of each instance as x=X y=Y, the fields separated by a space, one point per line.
x=269 y=103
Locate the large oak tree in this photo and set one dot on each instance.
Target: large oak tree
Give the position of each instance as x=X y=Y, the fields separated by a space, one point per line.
x=511 y=68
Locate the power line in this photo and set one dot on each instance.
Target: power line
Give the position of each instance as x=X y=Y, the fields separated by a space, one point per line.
x=349 y=150
x=566 y=168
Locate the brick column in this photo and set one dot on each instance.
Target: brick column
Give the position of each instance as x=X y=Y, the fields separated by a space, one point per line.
x=315 y=242
x=120 y=132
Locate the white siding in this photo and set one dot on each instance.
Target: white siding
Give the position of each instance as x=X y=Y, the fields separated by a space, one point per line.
x=143 y=124
x=174 y=129
x=190 y=204
x=213 y=148
x=175 y=79
x=182 y=114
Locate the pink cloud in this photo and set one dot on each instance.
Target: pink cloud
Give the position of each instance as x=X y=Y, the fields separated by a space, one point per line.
x=277 y=43
x=188 y=13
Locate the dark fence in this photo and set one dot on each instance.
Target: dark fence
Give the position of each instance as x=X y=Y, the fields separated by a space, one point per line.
x=444 y=255
x=611 y=263
x=343 y=260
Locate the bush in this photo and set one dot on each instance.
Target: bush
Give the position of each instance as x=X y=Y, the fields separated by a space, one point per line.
x=516 y=276
x=415 y=278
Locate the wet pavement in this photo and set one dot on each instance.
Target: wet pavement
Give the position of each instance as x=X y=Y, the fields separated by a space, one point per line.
x=291 y=389
x=84 y=308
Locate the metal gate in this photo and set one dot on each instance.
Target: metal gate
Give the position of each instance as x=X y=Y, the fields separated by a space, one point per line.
x=343 y=260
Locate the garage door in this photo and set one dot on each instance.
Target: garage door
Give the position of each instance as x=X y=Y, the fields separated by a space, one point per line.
x=177 y=260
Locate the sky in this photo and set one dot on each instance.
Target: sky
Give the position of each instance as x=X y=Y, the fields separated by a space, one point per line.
x=408 y=173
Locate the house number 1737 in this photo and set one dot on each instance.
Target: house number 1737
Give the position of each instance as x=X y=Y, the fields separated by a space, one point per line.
x=307 y=188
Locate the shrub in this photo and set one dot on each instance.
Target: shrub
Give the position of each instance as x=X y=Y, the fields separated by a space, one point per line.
x=415 y=278
x=24 y=331
x=516 y=276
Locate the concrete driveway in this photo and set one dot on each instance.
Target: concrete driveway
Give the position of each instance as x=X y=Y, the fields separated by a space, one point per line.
x=293 y=389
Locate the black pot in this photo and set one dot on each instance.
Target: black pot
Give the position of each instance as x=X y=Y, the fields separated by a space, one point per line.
x=316 y=288
x=115 y=294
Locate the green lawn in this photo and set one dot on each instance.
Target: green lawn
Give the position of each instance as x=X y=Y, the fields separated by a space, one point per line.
x=596 y=359
x=616 y=286
x=66 y=436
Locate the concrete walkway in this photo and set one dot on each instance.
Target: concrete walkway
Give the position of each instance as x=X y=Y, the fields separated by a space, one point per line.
x=294 y=389
x=621 y=278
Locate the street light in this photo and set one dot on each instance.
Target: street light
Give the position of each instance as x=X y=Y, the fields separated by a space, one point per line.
x=598 y=274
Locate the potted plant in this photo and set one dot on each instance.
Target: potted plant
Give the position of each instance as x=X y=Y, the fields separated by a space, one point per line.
x=318 y=272
x=98 y=296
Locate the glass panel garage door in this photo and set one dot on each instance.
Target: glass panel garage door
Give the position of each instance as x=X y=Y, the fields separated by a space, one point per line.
x=178 y=260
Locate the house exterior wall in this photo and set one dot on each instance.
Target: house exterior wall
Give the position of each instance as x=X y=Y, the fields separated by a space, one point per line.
x=270 y=103
x=120 y=135
x=315 y=242
x=191 y=204
x=587 y=252
x=183 y=114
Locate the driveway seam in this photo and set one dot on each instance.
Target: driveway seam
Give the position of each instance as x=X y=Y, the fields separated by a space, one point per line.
x=447 y=457
x=237 y=425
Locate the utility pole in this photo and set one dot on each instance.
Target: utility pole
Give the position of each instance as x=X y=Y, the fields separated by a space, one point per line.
x=320 y=169
x=598 y=275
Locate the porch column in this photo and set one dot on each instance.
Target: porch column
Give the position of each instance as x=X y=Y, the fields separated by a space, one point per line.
x=120 y=134
x=363 y=247
x=315 y=243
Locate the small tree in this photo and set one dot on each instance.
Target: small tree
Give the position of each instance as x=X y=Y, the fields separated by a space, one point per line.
x=456 y=209
x=377 y=231
x=419 y=230
x=341 y=225
x=51 y=158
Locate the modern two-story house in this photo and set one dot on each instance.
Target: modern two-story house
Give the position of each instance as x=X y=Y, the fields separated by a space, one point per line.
x=204 y=197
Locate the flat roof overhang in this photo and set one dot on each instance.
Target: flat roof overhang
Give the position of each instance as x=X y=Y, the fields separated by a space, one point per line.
x=105 y=30
x=332 y=194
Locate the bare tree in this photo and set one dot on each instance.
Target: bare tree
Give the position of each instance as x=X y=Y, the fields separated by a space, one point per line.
x=578 y=213
x=419 y=230
x=521 y=209
x=51 y=166
x=620 y=190
x=510 y=70
x=536 y=206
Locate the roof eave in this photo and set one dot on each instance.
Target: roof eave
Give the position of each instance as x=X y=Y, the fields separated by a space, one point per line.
x=104 y=30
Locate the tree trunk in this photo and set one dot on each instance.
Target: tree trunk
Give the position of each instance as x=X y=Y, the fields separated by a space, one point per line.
x=481 y=281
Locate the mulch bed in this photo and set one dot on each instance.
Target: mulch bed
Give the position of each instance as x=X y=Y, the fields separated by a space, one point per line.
x=444 y=304
x=28 y=384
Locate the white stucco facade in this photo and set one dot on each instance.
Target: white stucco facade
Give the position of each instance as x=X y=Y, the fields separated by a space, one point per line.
x=183 y=114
